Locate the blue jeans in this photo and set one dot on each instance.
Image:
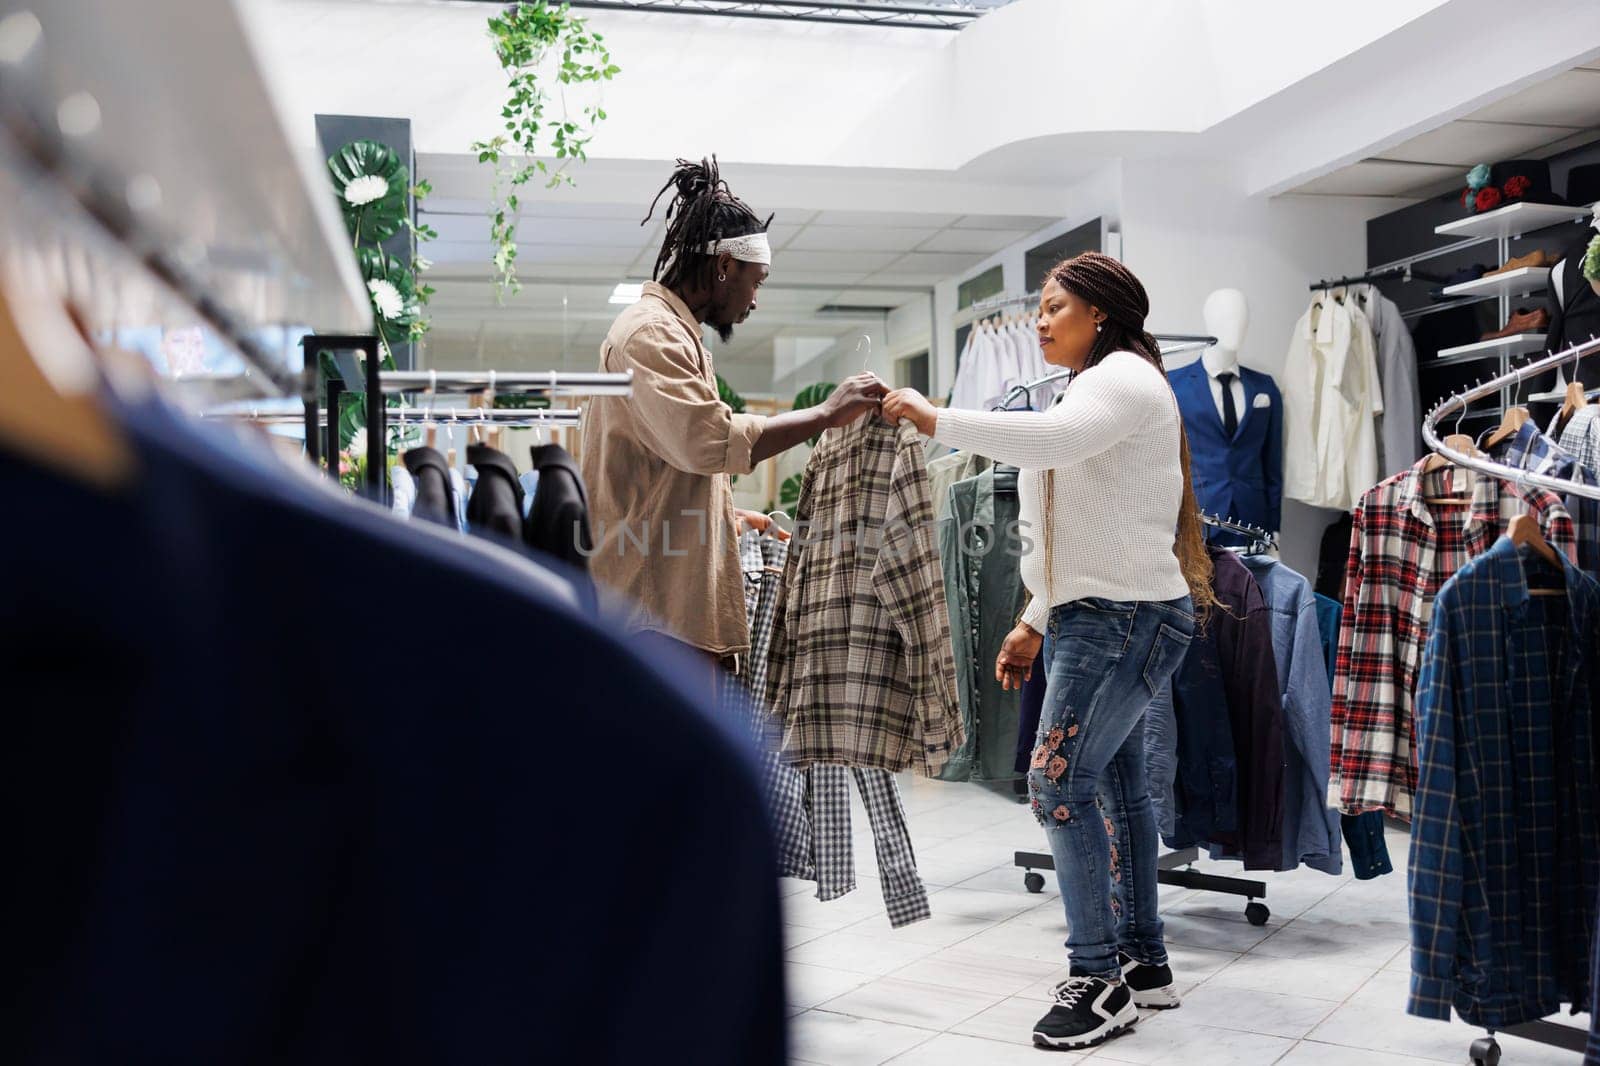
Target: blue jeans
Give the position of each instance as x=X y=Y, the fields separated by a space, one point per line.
x=1107 y=662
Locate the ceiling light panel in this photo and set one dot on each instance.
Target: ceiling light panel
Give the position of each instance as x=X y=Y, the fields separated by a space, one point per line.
x=986 y=241
x=1467 y=143
x=860 y=239
x=1372 y=177
x=1570 y=99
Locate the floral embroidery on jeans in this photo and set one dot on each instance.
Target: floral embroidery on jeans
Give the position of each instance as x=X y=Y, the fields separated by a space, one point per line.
x=1041 y=757
x=1057 y=767
x=1061 y=814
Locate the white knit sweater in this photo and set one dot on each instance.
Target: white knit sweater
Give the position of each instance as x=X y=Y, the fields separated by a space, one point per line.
x=1112 y=440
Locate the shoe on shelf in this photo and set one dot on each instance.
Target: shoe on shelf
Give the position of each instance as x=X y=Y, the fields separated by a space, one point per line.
x=1087 y=1011
x=1537 y=258
x=1152 y=987
x=1522 y=320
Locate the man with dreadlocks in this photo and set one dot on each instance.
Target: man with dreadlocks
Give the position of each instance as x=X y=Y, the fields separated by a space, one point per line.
x=1122 y=570
x=656 y=465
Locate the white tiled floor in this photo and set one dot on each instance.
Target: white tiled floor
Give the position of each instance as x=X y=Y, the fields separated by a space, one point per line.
x=1322 y=984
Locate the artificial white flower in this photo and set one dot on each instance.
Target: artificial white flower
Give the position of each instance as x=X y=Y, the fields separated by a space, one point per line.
x=358 y=443
x=386 y=298
x=365 y=189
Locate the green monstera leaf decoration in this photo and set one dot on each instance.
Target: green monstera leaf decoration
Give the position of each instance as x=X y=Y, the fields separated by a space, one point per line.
x=371 y=183
x=395 y=305
x=811 y=396
x=728 y=396
x=789 y=493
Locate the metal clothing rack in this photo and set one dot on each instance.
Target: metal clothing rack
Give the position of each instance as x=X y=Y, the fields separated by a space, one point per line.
x=1260 y=540
x=1172 y=868
x=381 y=383
x=1457 y=404
x=1171 y=343
x=1404 y=271
x=1485 y=1050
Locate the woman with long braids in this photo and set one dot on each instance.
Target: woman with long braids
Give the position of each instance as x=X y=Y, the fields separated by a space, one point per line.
x=656 y=464
x=1117 y=579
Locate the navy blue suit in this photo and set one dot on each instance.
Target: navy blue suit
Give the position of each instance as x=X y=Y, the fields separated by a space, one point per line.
x=1240 y=478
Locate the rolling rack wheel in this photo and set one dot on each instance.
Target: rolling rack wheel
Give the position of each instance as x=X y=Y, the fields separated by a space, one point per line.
x=1485 y=1051
x=1256 y=912
x=1033 y=881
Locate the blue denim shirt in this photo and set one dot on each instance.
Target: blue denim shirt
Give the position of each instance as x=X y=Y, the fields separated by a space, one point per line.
x=1310 y=827
x=1505 y=839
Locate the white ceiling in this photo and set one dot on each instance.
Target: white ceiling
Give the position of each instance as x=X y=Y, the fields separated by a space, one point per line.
x=1540 y=121
x=571 y=255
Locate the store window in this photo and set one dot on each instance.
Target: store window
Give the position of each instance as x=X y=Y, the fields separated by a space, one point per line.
x=991 y=282
x=912 y=372
x=1038 y=260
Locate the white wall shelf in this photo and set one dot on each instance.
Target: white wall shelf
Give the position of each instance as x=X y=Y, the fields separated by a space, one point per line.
x=1512 y=346
x=1523 y=279
x=1512 y=221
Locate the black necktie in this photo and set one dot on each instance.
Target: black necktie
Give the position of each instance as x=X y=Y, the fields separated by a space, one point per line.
x=1230 y=413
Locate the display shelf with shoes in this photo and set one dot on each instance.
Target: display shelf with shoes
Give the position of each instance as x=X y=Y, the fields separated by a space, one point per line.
x=1536 y=258
x=1513 y=220
x=1513 y=345
x=1519 y=321
x=1521 y=280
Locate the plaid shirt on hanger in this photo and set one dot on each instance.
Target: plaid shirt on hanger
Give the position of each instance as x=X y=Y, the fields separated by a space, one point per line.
x=811 y=808
x=1401 y=552
x=1530 y=450
x=861 y=671
x=1505 y=850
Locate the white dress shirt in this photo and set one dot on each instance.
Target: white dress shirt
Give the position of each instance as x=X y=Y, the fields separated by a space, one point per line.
x=1331 y=395
x=1237 y=388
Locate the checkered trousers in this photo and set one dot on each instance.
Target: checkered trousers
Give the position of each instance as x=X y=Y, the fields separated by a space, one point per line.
x=1402 y=550
x=811 y=807
x=862 y=672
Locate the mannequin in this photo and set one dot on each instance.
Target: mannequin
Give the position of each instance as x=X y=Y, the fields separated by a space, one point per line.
x=1237 y=474
x=1227 y=316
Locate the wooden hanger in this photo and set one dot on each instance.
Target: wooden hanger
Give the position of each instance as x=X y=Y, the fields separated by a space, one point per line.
x=48 y=410
x=1576 y=399
x=1513 y=420
x=1524 y=532
x=1458 y=442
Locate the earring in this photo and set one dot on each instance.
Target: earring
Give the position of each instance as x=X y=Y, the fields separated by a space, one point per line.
x=722 y=277
x=1098 y=326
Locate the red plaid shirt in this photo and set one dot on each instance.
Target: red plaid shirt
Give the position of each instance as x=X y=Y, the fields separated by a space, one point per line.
x=1401 y=553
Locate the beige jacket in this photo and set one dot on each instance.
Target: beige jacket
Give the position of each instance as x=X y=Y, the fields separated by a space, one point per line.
x=656 y=466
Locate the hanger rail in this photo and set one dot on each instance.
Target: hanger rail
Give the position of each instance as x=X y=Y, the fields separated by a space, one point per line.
x=549 y=382
x=1457 y=403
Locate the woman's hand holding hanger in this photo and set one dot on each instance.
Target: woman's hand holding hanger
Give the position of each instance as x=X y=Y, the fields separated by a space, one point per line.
x=909 y=403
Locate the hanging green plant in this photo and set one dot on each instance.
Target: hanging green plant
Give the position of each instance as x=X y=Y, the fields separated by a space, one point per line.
x=372 y=184
x=525 y=36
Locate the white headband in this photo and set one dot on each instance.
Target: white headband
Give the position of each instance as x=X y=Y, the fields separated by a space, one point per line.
x=753 y=248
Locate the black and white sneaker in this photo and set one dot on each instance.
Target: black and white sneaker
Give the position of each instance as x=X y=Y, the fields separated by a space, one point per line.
x=1088 y=1011
x=1152 y=986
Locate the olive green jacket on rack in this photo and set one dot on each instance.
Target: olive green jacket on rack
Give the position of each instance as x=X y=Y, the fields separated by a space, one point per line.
x=979 y=545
